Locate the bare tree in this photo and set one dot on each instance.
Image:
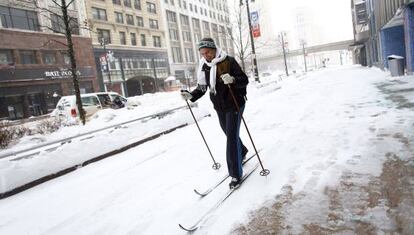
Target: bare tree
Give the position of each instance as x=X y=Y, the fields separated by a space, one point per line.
x=239 y=33
x=68 y=24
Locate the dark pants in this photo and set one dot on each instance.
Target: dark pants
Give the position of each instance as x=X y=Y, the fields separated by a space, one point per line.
x=230 y=123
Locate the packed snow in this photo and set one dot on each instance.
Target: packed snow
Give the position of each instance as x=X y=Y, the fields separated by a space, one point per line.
x=308 y=128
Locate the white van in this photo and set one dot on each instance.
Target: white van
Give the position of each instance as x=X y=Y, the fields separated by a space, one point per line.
x=91 y=102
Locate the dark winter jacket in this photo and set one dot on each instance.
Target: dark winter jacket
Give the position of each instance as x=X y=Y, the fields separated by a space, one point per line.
x=222 y=100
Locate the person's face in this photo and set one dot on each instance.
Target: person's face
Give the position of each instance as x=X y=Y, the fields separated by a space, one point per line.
x=208 y=53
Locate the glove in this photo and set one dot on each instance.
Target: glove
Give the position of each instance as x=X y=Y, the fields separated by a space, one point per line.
x=186 y=95
x=227 y=78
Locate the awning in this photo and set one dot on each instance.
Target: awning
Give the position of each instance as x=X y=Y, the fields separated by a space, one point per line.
x=396 y=20
x=170 y=78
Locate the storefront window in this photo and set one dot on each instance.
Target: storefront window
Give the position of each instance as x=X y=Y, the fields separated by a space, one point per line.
x=6 y=57
x=49 y=57
x=28 y=57
x=66 y=58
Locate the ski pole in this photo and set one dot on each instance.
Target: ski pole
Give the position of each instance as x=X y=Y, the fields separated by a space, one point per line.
x=216 y=165
x=264 y=172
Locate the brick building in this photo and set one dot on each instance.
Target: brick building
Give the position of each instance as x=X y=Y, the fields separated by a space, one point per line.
x=34 y=63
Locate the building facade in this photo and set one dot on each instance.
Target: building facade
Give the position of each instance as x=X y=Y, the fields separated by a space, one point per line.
x=383 y=28
x=129 y=45
x=34 y=62
x=188 y=21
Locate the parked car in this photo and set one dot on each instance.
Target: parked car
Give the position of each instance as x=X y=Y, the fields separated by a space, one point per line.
x=66 y=106
x=91 y=102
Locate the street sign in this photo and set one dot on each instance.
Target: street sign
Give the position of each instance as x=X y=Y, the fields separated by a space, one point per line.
x=254 y=17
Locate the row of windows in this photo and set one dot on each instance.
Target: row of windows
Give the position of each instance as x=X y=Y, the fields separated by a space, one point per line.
x=119 y=18
x=128 y=3
x=219 y=6
x=172 y=17
x=105 y=35
x=138 y=63
x=203 y=11
x=12 y=57
x=28 y=20
x=177 y=56
x=100 y=14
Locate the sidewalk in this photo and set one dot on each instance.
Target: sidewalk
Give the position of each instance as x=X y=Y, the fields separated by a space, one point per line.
x=360 y=201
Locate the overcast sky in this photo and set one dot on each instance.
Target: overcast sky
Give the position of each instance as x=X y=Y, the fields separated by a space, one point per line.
x=332 y=18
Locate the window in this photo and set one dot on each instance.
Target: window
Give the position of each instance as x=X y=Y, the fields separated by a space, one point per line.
x=206 y=26
x=49 y=57
x=173 y=34
x=143 y=40
x=196 y=23
x=185 y=5
x=224 y=43
x=133 y=39
x=127 y=3
x=119 y=18
x=214 y=28
x=222 y=29
x=151 y=8
x=122 y=38
x=191 y=7
x=195 y=9
x=184 y=20
x=171 y=17
x=6 y=57
x=176 y=52
x=172 y=2
x=197 y=37
x=157 y=41
x=117 y=2
x=20 y=19
x=28 y=57
x=153 y=24
x=104 y=34
x=137 y=4
x=99 y=14
x=130 y=19
x=140 y=21
x=189 y=55
x=186 y=36
x=66 y=58
x=58 y=25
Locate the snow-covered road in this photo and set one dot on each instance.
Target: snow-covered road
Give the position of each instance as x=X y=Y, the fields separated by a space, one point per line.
x=310 y=132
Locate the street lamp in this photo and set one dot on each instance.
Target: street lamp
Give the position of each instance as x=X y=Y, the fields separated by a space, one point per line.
x=104 y=42
x=304 y=54
x=256 y=71
x=282 y=41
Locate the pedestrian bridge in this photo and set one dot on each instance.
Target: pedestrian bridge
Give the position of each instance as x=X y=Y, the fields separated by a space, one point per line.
x=334 y=46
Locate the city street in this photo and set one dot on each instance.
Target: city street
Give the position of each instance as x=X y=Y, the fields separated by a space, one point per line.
x=338 y=143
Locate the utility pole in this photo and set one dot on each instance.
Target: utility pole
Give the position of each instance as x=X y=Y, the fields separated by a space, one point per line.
x=103 y=43
x=155 y=75
x=304 y=55
x=256 y=71
x=284 y=52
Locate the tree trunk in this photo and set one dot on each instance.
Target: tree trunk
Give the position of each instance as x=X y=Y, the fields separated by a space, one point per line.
x=68 y=33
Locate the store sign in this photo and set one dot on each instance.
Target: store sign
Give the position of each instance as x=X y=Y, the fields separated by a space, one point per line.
x=254 y=17
x=55 y=74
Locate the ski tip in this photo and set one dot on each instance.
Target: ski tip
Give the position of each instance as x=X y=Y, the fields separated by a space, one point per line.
x=192 y=229
x=199 y=194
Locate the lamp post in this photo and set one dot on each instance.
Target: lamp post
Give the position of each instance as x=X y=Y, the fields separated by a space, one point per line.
x=255 y=69
x=304 y=55
x=103 y=43
x=282 y=40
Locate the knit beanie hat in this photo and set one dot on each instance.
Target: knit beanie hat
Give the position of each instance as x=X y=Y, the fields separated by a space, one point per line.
x=207 y=43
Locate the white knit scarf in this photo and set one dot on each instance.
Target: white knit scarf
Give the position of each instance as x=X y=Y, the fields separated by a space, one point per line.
x=201 y=76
